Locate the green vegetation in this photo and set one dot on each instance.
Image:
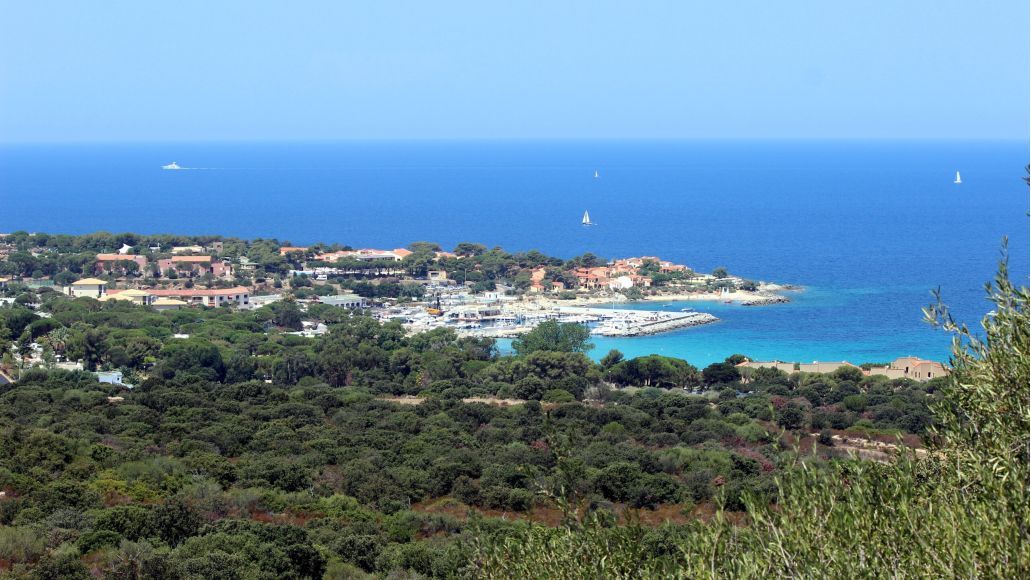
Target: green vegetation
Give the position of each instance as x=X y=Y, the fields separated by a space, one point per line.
x=245 y=451
x=550 y=335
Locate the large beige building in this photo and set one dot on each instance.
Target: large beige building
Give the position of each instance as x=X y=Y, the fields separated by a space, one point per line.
x=907 y=367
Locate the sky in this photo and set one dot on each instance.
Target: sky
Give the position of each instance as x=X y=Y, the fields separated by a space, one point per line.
x=125 y=70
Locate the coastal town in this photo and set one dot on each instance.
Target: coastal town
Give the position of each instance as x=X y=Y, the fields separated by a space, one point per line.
x=473 y=290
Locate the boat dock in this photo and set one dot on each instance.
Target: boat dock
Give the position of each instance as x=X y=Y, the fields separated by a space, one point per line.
x=616 y=322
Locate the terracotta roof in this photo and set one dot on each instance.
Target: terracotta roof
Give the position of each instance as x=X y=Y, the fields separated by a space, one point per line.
x=116 y=257
x=202 y=291
x=402 y=252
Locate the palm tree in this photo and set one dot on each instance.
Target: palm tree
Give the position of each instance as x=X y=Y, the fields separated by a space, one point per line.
x=57 y=339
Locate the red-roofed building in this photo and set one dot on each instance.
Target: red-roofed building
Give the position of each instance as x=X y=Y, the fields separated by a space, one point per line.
x=591 y=278
x=290 y=249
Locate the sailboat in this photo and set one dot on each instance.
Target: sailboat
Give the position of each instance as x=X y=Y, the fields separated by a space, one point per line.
x=587 y=219
x=958 y=179
x=172 y=165
x=596 y=174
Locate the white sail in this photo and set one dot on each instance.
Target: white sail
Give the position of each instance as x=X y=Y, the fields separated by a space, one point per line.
x=587 y=219
x=596 y=174
x=172 y=165
x=958 y=178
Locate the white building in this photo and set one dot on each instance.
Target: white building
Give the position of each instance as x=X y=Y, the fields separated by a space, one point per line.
x=87 y=287
x=351 y=301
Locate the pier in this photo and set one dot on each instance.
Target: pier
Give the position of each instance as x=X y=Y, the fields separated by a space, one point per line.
x=615 y=322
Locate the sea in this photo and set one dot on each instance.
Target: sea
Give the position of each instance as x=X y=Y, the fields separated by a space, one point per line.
x=868 y=228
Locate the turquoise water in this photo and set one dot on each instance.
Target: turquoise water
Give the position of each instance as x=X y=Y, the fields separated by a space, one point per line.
x=786 y=331
x=870 y=228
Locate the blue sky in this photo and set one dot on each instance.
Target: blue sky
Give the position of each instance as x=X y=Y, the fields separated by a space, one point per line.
x=221 y=70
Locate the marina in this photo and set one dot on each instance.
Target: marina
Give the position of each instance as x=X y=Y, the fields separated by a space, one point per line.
x=511 y=319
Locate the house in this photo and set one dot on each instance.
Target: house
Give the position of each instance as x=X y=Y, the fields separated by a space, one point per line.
x=291 y=249
x=436 y=276
x=140 y=297
x=3 y=283
x=87 y=287
x=236 y=296
x=112 y=378
x=352 y=301
x=592 y=278
x=162 y=304
x=191 y=266
x=108 y=262
x=911 y=367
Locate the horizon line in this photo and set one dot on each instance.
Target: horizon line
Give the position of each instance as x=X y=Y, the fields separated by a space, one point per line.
x=330 y=140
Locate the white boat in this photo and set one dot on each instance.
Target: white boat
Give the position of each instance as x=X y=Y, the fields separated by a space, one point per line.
x=587 y=219
x=596 y=174
x=958 y=179
x=172 y=165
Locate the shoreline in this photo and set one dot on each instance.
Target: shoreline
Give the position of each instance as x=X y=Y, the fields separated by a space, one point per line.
x=767 y=295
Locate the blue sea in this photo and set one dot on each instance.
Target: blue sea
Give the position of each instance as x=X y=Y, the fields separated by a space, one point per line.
x=868 y=228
